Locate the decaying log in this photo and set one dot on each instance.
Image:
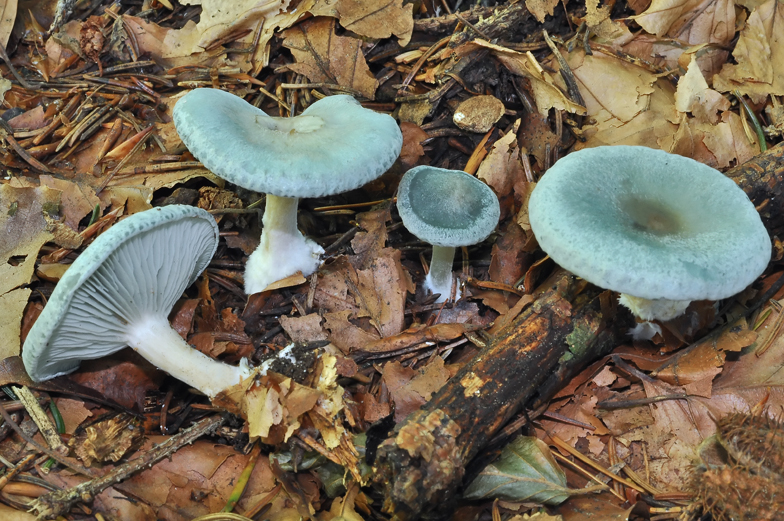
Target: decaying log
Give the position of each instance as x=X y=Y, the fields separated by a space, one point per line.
x=422 y=464
x=762 y=178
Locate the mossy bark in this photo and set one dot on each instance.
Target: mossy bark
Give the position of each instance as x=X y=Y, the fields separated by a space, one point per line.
x=423 y=463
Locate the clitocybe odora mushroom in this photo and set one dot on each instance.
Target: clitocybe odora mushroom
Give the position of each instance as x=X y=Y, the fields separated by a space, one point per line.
x=659 y=228
x=335 y=145
x=447 y=208
x=119 y=293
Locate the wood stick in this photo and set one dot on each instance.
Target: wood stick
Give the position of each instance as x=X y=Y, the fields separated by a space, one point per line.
x=422 y=464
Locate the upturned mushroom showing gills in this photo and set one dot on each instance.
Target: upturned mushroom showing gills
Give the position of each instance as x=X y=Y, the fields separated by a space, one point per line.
x=447 y=208
x=661 y=229
x=334 y=146
x=119 y=293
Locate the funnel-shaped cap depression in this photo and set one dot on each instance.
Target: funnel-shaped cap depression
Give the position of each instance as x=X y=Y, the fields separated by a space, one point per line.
x=447 y=207
x=649 y=224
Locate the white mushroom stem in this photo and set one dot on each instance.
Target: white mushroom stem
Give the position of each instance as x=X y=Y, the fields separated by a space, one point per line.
x=439 y=278
x=283 y=250
x=654 y=309
x=154 y=339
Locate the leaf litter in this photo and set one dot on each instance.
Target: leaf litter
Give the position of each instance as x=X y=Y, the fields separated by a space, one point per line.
x=91 y=120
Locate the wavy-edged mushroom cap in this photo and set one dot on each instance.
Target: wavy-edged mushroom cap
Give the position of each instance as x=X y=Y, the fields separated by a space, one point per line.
x=334 y=146
x=649 y=224
x=447 y=207
x=122 y=286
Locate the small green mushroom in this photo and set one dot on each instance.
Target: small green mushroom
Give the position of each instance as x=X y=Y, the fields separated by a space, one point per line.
x=447 y=208
x=661 y=229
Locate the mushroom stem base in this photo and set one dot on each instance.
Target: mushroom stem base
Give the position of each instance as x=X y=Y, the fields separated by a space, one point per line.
x=654 y=309
x=283 y=250
x=155 y=340
x=439 y=278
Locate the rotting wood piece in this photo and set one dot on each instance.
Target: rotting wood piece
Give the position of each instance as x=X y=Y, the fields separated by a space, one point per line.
x=762 y=178
x=422 y=464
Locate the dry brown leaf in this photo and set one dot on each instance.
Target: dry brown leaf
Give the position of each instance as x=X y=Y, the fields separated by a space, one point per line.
x=30 y=120
x=580 y=508
x=183 y=313
x=273 y=404
x=186 y=46
x=412 y=151
x=377 y=18
x=430 y=378
x=417 y=335
x=13 y=304
x=368 y=243
x=303 y=329
x=635 y=108
x=159 y=180
x=7 y=19
x=332 y=290
x=135 y=199
x=73 y=412
x=693 y=95
x=77 y=200
x=509 y=261
x=759 y=54
x=397 y=379
x=380 y=291
x=345 y=335
x=600 y=23
x=323 y=56
x=541 y=8
x=727 y=142
x=27 y=230
x=370 y=408
x=681 y=424
x=706 y=359
x=124 y=377
x=708 y=29
x=582 y=408
x=691 y=21
x=12 y=514
x=198 y=480
x=535 y=136
x=503 y=171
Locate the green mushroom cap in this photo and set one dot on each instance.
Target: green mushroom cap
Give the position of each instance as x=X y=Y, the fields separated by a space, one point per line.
x=649 y=224
x=447 y=207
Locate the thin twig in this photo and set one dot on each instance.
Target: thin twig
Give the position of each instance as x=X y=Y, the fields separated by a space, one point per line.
x=58 y=503
x=16 y=74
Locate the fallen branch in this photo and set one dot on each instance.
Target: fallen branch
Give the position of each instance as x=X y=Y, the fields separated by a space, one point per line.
x=58 y=503
x=422 y=464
